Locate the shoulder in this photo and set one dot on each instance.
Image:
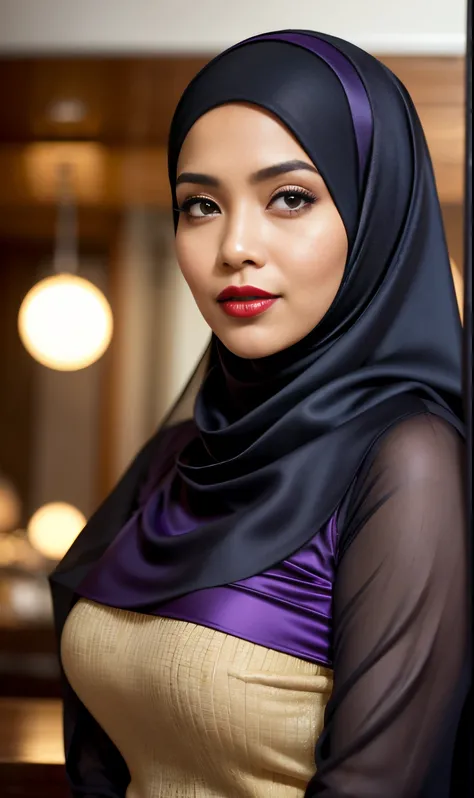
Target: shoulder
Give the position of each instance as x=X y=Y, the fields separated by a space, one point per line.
x=412 y=476
x=423 y=447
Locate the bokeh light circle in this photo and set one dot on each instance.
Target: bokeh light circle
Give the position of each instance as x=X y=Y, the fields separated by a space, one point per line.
x=65 y=322
x=54 y=527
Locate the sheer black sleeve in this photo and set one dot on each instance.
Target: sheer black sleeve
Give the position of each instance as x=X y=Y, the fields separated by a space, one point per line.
x=95 y=767
x=400 y=618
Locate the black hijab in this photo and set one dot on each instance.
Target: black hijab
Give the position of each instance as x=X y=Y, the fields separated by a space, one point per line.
x=276 y=442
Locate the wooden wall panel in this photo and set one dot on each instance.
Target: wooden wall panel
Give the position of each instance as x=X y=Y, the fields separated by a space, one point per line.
x=431 y=80
x=119 y=149
x=17 y=275
x=453 y=218
x=131 y=100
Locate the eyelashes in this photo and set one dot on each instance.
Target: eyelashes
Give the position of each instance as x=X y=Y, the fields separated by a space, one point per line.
x=289 y=195
x=295 y=200
x=207 y=205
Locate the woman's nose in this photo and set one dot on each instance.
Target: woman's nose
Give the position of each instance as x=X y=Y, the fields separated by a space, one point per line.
x=241 y=244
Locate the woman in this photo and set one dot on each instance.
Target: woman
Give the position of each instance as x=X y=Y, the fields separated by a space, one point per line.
x=273 y=600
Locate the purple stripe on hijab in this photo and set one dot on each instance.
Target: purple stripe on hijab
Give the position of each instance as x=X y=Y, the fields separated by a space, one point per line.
x=356 y=94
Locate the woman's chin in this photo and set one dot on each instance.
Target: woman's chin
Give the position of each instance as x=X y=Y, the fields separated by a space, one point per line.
x=250 y=346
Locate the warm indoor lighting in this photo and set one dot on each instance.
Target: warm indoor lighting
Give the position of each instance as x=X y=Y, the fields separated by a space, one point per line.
x=458 y=286
x=67 y=111
x=65 y=322
x=7 y=550
x=17 y=552
x=54 y=527
x=10 y=507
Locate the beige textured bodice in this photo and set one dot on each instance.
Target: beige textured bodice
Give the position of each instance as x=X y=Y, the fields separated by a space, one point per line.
x=196 y=713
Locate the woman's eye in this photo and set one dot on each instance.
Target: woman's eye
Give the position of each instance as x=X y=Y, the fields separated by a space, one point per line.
x=198 y=207
x=292 y=201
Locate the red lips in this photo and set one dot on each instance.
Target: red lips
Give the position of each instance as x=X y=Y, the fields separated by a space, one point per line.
x=245 y=301
x=243 y=292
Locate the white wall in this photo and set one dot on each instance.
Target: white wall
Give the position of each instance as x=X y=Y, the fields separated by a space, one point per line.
x=127 y=26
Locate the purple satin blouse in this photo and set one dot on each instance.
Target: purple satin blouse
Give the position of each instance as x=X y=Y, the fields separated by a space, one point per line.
x=287 y=607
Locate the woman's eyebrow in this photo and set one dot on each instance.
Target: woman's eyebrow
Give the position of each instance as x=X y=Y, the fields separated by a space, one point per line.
x=281 y=169
x=277 y=169
x=197 y=177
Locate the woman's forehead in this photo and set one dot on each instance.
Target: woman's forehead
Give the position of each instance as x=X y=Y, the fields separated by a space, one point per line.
x=243 y=128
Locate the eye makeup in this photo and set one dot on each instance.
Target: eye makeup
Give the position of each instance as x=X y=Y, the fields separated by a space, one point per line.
x=288 y=194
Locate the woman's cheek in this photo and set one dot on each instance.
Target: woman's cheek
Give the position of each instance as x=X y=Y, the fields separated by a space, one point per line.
x=198 y=278
x=187 y=261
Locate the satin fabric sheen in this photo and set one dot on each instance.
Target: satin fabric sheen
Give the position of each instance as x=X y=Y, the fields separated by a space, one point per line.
x=356 y=95
x=286 y=608
x=234 y=519
x=281 y=438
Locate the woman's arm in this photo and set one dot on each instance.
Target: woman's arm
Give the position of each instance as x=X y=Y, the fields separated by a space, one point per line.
x=400 y=621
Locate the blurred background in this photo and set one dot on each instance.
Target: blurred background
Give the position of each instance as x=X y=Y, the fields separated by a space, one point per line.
x=98 y=331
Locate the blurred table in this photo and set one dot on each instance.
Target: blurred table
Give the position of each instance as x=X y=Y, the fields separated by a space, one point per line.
x=28 y=649
x=31 y=749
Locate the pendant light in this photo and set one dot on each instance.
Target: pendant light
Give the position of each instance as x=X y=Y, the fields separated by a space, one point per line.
x=65 y=321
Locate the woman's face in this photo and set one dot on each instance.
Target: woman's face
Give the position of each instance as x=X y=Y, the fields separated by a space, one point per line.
x=256 y=215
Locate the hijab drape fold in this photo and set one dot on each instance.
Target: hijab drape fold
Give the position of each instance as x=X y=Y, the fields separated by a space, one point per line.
x=275 y=443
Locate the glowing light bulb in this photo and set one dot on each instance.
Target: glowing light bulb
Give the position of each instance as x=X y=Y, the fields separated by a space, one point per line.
x=65 y=322
x=54 y=527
